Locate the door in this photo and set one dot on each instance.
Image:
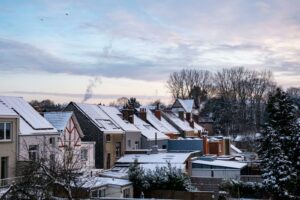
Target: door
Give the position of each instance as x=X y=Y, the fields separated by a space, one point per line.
x=4 y=167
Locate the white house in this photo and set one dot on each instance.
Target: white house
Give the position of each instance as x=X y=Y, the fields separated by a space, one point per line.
x=36 y=134
x=70 y=138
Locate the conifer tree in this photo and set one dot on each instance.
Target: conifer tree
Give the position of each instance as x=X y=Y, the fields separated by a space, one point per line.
x=277 y=147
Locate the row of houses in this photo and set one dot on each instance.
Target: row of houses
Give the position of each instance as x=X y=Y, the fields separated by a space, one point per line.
x=100 y=134
x=110 y=139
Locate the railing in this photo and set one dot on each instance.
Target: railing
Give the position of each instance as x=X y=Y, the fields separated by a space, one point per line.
x=9 y=181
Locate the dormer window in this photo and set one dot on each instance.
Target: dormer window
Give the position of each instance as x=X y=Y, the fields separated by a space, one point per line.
x=106 y=124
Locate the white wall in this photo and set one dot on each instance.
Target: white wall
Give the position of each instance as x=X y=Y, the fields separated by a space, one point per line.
x=133 y=137
x=41 y=140
x=90 y=146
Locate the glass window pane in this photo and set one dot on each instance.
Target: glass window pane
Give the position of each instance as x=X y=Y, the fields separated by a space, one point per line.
x=8 y=131
x=95 y=193
x=1 y=131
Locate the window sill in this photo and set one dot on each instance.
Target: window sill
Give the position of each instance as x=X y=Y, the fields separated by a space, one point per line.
x=6 y=141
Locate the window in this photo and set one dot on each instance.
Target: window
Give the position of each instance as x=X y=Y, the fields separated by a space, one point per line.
x=98 y=193
x=84 y=154
x=164 y=146
x=118 y=149
x=4 y=168
x=52 y=141
x=107 y=137
x=220 y=148
x=102 y=193
x=33 y=152
x=129 y=143
x=94 y=193
x=5 y=130
x=126 y=193
x=106 y=124
x=136 y=144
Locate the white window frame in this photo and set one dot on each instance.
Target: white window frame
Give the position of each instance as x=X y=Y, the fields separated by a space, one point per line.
x=4 y=131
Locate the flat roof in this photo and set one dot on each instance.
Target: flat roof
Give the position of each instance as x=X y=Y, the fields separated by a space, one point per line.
x=222 y=163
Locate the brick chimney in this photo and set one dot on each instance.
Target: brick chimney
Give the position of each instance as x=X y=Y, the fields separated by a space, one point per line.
x=157 y=114
x=181 y=115
x=143 y=114
x=188 y=116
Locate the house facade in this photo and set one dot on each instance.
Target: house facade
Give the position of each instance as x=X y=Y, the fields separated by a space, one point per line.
x=132 y=133
x=35 y=132
x=98 y=127
x=70 y=140
x=9 y=125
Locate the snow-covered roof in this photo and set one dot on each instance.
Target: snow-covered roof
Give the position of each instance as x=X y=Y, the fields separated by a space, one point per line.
x=162 y=125
x=183 y=125
x=31 y=122
x=95 y=182
x=147 y=130
x=116 y=116
x=235 y=149
x=7 y=112
x=116 y=172
x=197 y=127
x=99 y=118
x=153 y=166
x=159 y=158
x=222 y=163
x=58 y=119
x=187 y=104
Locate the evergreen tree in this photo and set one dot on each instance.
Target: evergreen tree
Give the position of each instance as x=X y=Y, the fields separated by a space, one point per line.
x=277 y=147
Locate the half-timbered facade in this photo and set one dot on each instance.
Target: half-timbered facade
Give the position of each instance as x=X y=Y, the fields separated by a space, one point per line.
x=70 y=137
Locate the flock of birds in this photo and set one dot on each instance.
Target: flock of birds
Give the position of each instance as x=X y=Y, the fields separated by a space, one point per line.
x=42 y=19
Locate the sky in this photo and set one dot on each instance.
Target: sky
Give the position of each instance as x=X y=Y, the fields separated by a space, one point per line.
x=58 y=49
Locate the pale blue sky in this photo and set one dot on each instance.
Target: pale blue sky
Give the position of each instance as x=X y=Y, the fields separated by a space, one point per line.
x=49 y=47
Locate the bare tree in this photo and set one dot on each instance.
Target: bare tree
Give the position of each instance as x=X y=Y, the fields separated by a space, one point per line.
x=190 y=83
x=56 y=171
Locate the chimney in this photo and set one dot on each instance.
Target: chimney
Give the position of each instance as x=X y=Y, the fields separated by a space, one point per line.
x=227 y=146
x=196 y=118
x=191 y=124
x=128 y=114
x=143 y=114
x=181 y=115
x=157 y=114
x=188 y=116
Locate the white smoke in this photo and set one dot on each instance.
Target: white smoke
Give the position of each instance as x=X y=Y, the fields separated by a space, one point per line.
x=89 y=90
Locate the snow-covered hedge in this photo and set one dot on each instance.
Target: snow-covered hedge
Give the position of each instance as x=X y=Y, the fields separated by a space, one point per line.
x=162 y=178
